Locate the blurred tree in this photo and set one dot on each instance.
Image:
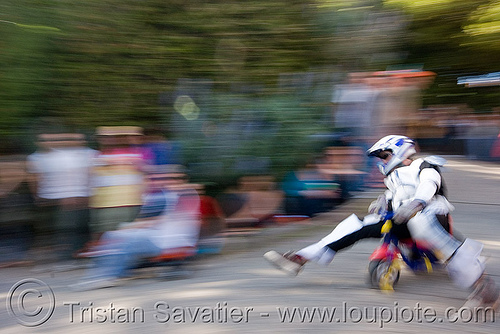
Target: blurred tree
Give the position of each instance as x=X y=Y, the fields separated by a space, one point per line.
x=453 y=38
x=111 y=62
x=117 y=56
x=26 y=68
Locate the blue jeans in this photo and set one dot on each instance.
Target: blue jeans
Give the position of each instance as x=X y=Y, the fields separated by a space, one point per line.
x=126 y=248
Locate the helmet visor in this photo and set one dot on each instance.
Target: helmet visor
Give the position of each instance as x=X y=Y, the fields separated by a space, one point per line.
x=381 y=154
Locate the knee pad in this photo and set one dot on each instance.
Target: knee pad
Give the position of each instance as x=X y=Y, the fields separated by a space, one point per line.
x=425 y=227
x=465 y=266
x=420 y=227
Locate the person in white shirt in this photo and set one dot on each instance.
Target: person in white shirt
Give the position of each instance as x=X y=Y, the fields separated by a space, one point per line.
x=60 y=180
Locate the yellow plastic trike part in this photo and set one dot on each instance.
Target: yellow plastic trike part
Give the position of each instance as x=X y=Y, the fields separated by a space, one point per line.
x=386 y=228
x=387 y=280
x=428 y=264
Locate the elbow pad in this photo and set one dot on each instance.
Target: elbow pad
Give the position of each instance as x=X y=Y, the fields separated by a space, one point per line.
x=430 y=181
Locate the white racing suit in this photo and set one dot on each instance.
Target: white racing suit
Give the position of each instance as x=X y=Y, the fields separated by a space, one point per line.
x=419 y=181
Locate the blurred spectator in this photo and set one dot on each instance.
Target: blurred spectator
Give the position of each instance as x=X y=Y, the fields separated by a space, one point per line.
x=117 y=178
x=400 y=98
x=373 y=104
x=159 y=150
x=168 y=220
x=396 y=105
x=357 y=106
x=40 y=182
x=354 y=106
x=309 y=192
x=480 y=141
x=212 y=224
x=16 y=203
x=60 y=178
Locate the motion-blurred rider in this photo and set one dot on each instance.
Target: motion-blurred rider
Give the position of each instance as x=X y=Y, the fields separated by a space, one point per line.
x=416 y=196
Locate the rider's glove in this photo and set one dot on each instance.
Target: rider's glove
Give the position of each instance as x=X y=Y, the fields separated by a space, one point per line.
x=378 y=206
x=407 y=211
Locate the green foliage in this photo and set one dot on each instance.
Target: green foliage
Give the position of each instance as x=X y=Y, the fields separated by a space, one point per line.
x=25 y=70
x=109 y=62
x=115 y=62
x=453 y=38
x=262 y=134
x=114 y=57
x=483 y=27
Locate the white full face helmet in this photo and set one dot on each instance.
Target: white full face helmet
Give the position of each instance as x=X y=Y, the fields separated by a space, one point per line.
x=399 y=147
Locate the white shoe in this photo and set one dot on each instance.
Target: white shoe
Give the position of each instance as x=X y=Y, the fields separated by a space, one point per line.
x=289 y=262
